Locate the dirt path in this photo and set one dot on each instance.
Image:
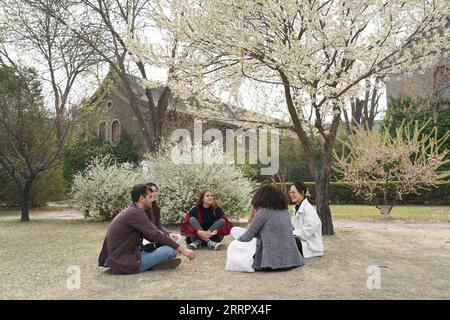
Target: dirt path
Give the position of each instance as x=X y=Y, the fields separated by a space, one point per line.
x=54 y=213
x=65 y=213
x=390 y=225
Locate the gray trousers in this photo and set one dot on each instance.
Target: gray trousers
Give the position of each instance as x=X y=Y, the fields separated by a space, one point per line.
x=216 y=225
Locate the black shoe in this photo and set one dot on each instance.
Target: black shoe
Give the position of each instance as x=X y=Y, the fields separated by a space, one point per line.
x=168 y=264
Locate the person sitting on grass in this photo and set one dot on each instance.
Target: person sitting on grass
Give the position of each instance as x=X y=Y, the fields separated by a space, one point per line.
x=206 y=223
x=306 y=222
x=271 y=226
x=122 y=247
x=154 y=215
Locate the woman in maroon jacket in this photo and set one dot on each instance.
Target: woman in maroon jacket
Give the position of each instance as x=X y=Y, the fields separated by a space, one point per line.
x=206 y=223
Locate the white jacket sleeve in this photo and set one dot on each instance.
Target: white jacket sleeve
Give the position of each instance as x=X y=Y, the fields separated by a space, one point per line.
x=306 y=229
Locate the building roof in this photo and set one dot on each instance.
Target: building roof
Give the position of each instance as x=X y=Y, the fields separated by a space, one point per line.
x=216 y=111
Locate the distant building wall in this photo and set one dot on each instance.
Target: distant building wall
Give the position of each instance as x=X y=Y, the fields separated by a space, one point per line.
x=434 y=82
x=115 y=108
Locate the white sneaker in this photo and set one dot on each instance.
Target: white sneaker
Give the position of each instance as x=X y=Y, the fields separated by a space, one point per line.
x=195 y=245
x=214 y=245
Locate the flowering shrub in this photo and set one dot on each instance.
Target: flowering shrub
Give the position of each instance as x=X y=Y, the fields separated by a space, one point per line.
x=103 y=190
x=179 y=182
x=410 y=157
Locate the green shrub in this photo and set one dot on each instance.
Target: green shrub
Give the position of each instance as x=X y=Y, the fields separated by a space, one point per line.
x=341 y=193
x=126 y=151
x=78 y=155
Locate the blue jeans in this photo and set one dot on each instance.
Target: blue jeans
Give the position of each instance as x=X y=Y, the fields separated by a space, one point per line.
x=150 y=259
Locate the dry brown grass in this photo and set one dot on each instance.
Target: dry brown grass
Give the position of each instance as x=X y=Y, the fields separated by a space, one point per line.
x=414 y=265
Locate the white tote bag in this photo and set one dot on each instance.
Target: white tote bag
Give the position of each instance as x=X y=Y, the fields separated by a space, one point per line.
x=240 y=256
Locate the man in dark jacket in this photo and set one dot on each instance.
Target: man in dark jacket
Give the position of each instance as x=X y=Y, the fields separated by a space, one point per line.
x=122 y=246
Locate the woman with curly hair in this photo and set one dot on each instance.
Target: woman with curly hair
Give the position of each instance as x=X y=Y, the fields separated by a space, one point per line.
x=271 y=225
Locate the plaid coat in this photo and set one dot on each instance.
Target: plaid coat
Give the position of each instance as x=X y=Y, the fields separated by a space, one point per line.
x=275 y=246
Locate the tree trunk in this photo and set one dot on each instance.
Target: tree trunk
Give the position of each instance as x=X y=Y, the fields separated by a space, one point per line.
x=322 y=174
x=60 y=126
x=322 y=180
x=348 y=131
x=163 y=104
x=385 y=210
x=26 y=195
x=134 y=105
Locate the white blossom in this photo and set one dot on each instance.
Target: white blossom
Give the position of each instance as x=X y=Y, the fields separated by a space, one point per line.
x=323 y=48
x=103 y=189
x=180 y=184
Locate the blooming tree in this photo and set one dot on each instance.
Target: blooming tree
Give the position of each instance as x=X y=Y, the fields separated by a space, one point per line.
x=375 y=159
x=317 y=53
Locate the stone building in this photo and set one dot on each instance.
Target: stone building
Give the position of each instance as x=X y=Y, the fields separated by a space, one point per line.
x=434 y=82
x=108 y=115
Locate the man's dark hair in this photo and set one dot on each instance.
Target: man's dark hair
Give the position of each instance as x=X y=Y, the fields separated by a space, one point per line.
x=268 y=196
x=139 y=190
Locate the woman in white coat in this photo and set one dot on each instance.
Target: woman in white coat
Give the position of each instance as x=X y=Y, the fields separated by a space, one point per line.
x=306 y=222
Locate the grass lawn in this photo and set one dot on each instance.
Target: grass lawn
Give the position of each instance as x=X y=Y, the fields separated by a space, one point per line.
x=419 y=213
x=35 y=258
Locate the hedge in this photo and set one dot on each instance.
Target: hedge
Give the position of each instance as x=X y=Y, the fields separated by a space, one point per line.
x=78 y=155
x=341 y=193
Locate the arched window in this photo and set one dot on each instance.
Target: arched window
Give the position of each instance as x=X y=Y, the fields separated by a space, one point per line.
x=115 y=131
x=102 y=134
x=109 y=105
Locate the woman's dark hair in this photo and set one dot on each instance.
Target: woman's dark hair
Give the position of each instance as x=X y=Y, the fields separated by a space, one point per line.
x=139 y=190
x=301 y=187
x=151 y=184
x=267 y=196
x=155 y=210
x=201 y=196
